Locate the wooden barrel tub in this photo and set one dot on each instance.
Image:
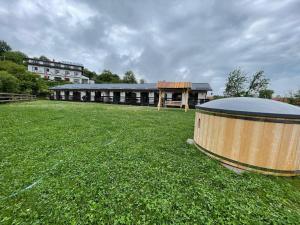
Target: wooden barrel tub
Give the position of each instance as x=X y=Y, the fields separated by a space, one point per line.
x=252 y=134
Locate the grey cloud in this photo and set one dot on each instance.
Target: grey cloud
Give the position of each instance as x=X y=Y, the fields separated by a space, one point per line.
x=200 y=41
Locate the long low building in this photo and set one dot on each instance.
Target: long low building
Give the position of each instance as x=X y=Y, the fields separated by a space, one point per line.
x=122 y=93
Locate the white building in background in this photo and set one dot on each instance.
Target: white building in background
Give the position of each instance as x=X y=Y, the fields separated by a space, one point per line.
x=52 y=70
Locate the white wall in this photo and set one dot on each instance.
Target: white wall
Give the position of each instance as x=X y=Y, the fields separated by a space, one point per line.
x=151 y=97
x=138 y=96
x=169 y=95
x=92 y=96
x=122 y=96
x=201 y=95
x=61 y=73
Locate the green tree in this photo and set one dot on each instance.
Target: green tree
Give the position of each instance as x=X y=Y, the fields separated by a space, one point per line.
x=15 y=56
x=4 y=47
x=238 y=84
x=27 y=82
x=235 y=86
x=129 y=77
x=297 y=95
x=107 y=77
x=90 y=74
x=8 y=83
x=294 y=98
x=42 y=57
x=12 y=68
x=257 y=83
x=266 y=93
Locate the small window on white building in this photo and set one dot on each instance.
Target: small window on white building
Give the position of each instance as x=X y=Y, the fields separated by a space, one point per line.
x=75 y=73
x=67 y=72
x=56 y=71
x=57 y=78
x=35 y=68
x=85 y=81
x=76 y=81
x=47 y=69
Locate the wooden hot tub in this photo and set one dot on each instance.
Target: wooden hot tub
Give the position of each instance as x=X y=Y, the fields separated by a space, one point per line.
x=250 y=133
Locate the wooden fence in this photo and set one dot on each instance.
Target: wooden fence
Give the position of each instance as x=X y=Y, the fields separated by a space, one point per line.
x=12 y=97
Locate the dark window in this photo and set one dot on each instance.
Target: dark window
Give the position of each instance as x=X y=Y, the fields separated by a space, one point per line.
x=57 y=78
x=84 y=81
x=176 y=96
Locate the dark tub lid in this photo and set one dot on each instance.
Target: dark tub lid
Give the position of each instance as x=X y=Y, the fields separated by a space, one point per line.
x=252 y=106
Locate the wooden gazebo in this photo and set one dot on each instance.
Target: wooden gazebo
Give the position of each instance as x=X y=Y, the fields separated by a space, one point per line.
x=164 y=86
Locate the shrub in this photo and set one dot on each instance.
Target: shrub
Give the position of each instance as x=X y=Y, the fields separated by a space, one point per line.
x=8 y=83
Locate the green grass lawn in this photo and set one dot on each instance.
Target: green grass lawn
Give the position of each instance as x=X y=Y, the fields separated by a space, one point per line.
x=83 y=163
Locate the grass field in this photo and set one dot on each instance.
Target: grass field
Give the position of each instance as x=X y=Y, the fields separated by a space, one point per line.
x=83 y=163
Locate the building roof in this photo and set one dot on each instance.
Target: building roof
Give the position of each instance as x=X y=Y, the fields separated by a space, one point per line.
x=48 y=62
x=123 y=86
x=252 y=106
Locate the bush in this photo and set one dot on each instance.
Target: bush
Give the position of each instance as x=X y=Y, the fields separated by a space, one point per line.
x=15 y=56
x=12 y=68
x=8 y=83
x=28 y=82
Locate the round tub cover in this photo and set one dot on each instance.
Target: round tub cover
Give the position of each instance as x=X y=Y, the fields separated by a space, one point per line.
x=252 y=106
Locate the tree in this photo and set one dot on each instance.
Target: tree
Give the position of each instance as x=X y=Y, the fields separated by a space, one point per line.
x=15 y=56
x=238 y=84
x=257 y=83
x=294 y=98
x=142 y=81
x=12 y=68
x=129 y=77
x=297 y=95
x=42 y=57
x=266 y=93
x=235 y=86
x=4 y=47
x=28 y=82
x=107 y=77
x=8 y=83
x=89 y=74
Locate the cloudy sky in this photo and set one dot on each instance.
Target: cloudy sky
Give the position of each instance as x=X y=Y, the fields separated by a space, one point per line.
x=199 y=41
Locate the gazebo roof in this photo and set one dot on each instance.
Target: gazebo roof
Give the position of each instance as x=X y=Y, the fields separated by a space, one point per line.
x=172 y=85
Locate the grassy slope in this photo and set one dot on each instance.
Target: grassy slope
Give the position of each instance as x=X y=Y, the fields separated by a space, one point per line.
x=105 y=163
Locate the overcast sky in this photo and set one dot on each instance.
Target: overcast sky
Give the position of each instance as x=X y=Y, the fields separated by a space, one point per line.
x=198 y=41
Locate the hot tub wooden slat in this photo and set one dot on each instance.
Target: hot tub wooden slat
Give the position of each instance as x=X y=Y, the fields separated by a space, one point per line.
x=254 y=142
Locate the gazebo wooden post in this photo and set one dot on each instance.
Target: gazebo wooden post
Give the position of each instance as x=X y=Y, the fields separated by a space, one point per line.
x=186 y=106
x=159 y=100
